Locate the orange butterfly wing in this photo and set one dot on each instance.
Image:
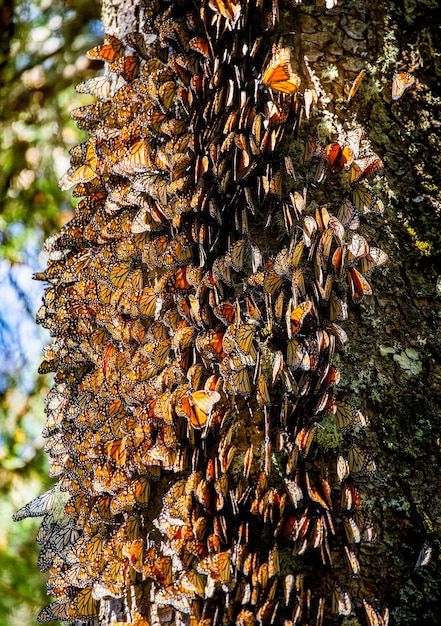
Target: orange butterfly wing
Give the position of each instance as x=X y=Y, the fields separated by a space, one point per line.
x=202 y=404
x=401 y=82
x=279 y=74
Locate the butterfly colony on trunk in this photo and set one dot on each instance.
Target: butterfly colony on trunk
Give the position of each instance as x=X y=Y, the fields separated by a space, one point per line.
x=184 y=349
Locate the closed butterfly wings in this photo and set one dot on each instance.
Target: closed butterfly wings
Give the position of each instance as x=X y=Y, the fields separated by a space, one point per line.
x=401 y=82
x=279 y=75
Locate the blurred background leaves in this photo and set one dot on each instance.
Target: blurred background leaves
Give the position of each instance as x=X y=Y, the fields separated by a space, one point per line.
x=42 y=56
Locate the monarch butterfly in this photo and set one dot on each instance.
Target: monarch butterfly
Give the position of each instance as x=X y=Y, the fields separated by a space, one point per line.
x=278 y=365
x=279 y=306
x=262 y=394
x=237 y=381
x=134 y=551
x=374 y=617
x=324 y=248
x=46 y=614
x=235 y=255
x=329 y=377
x=305 y=438
x=179 y=251
x=117 y=451
x=99 y=86
x=344 y=416
x=366 y=202
x=177 y=281
x=127 y=67
x=425 y=555
x=338 y=260
x=63 y=537
x=358 y=285
x=290 y=167
x=82 y=607
x=175 y=597
x=242 y=336
x=154 y=183
x=201 y=45
x=138 y=157
x=109 y=51
x=348 y=216
x=173 y=127
x=337 y=157
x=350 y=498
x=39 y=506
x=275 y=184
x=374 y=258
x=93 y=186
x=154 y=252
x=279 y=74
x=294 y=491
x=359 y=462
x=122 y=501
x=401 y=82
x=313 y=148
x=217 y=565
x=78 y=506
x=297 y=317
x=81 y=174
x=210 y=344
x=309 y=99
x=140 y=489
x=272 y=282
x=140 y=42
x=356 y=84
x=196 y=406
x=297 y=356
x=358 y=247
x=158 y=352
x=183 y=339
x=221 y=270
x=46 y=529
x=298 y=202
x=340 y=602
x=246 y=618
x=119 y=273
x=366 y=168
x=342 y=468
x=180 y=166
x=252 y=309
x=309 y=230
x=79 y=575
x=148 y=302
x=226 y=312
x=88 y=115
x=352 y=561
x=229 y=10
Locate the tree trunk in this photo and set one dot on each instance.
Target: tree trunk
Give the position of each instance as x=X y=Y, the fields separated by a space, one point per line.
x=212 y=472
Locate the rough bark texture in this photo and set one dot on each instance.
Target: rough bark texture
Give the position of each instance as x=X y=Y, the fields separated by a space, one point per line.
x=251 y=467
x=120 y=18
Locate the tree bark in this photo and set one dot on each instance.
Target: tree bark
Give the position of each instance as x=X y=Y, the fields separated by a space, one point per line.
x=234 y=470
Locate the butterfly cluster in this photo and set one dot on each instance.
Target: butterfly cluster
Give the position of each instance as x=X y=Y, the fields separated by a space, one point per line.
x=180 y=334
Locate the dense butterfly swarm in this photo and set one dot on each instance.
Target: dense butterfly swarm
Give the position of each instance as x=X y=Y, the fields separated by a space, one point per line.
x=185 y=349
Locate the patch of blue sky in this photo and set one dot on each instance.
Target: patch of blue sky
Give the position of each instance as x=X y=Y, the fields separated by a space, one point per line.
x=21 y=339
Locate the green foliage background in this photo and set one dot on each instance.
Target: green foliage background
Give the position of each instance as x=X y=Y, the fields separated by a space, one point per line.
x=42 y=56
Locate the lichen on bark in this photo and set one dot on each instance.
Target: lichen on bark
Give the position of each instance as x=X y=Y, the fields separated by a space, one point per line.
x=197 y=301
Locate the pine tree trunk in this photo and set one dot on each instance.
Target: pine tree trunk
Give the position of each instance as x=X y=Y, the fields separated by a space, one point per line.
x=214 y=469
